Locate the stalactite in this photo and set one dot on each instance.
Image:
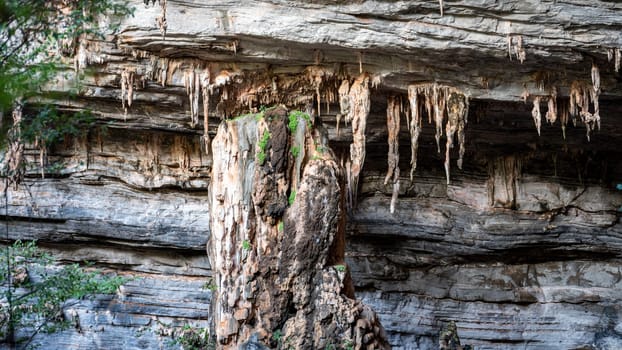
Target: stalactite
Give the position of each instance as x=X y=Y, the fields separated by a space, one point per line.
x=167 y=68
x=563 y=118
x=536 y=114
x=582 y=95
x=596 y=79
x=551 y=113
x=359 y=96
x=127 y=87
x=439 y=98
x=461 y=132
x=161 y=19
x=316 y=76
x=525 y=95
x=393 y=158
x=414 y=126
x=617 y=59
x=456 y=112
x=515 y=47
x=193 y=86
x=344 y=102
x=360 y=62
x=440 y=3
x=205 y=82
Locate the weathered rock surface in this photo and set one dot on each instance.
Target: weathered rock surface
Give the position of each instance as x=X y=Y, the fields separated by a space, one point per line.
x=523 y=247
x=279 y=263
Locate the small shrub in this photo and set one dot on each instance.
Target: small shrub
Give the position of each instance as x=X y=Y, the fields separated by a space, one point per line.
x=263 y=143
x=340 y=268
x=292 y=197
x=280 y=226
x=194 y=338
x=293 y=120
x=246 y=245
x=295 y=151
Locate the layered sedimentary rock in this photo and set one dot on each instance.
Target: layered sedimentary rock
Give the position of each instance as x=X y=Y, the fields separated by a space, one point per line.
x=513 y=233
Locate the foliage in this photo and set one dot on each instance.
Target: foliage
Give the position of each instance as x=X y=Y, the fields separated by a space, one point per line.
x=33 y=36
x=35 y=294
x=49 y=126
x=292 y=198
x=340 y=268
x=193 y=338
x=294 y=118
x=277 y=335
x=295 y=151
x=211 y=286
x=32 y=31
x=263 y=143
x=280 y=226
x=246 y=245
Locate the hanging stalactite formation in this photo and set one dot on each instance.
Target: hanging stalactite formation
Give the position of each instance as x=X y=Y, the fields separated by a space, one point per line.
x=516 y=48
x=359 y=102
x=127 y=87
x=582 y=97
x=414 y=126
x=536 y=114
x=393 y=126
x=205 y=94
x=438 y=100
x=192 y=83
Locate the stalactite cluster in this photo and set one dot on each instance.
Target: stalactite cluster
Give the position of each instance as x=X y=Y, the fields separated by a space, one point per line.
x=582 y=96
x=436 y=101
x=87 y=53
x=583 y=103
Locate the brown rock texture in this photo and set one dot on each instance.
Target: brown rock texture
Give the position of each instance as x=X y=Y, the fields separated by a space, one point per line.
x=281 y=279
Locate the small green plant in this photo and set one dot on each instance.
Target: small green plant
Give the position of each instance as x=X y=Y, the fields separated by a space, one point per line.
x=246 y=245
x=280 y=226
x=294 y=116
x=348 y=345
x=194 y=338
x=263 y=143
x=55 y=168
x=292 y=197
x=277 y=336
x=295 y=151
x=329 y=346
x=340 y=268
x=211 y=286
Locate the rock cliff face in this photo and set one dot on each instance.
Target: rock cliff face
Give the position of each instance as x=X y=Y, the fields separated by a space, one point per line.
x=479 y=146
